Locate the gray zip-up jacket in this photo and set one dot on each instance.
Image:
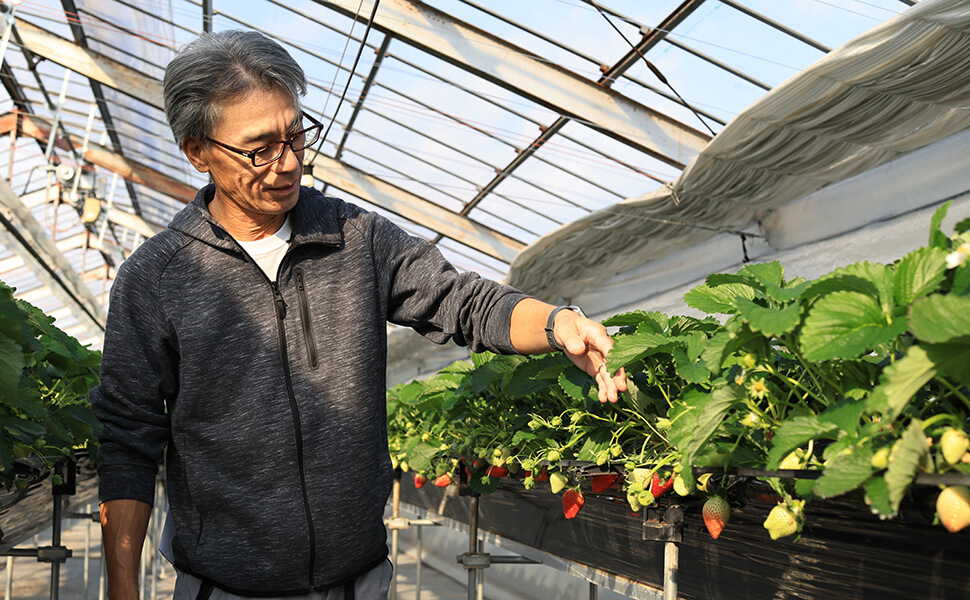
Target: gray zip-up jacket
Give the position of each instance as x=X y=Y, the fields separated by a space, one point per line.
x=269 y=395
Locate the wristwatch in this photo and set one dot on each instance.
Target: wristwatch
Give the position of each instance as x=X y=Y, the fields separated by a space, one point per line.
x=550 y=336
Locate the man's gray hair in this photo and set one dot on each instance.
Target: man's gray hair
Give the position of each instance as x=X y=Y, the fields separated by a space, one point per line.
x=216 y=69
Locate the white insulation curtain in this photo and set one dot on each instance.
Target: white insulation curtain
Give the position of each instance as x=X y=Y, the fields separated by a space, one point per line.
x=899 y=87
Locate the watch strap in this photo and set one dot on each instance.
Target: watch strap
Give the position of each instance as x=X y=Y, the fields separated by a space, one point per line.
x=550 y=322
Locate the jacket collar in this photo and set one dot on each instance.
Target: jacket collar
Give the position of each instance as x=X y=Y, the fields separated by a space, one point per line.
x=315 y=219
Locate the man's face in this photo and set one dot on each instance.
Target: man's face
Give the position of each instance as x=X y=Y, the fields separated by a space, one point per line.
x=252 y=193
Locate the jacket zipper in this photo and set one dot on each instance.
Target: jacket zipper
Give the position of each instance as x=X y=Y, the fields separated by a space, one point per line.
x=311 y=347
x=297 y=427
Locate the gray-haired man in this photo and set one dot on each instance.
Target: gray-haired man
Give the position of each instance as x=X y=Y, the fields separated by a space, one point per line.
x=248 y=341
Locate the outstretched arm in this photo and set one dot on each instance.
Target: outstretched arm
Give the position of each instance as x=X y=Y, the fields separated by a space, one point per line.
x=123 y=526
x=585 y=342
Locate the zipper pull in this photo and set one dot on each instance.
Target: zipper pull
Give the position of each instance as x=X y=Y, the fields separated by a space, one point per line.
x=280 y=304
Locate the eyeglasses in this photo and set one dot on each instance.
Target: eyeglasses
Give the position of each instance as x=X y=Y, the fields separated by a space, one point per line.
x=271 y=153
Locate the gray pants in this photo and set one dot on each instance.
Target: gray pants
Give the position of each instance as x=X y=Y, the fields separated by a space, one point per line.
x=372 y=585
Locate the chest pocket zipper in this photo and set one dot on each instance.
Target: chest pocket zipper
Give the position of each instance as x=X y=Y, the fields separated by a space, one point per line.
x=311 y=346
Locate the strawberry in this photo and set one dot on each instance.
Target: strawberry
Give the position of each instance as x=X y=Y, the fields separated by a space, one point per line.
x=419 y=480
x=640 y=475
x=572 y=502
x=443 y=480
x=953 y=506
x=716 y=512
x=557 y=481
x=781 y=522
x=541 y=476
x=496 y=472
x=793 y=460
x=659 y=488
x=601 y=483
x=680 y=486
x=954 y=443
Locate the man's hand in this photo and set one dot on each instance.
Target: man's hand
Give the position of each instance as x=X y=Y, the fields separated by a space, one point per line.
x=123 y=527
x=585 y=341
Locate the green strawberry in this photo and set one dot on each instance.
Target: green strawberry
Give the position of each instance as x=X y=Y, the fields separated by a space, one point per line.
x=793 y=460
x=557 y=481
x=953 y=506
x=680 y=487
x=781 y=522
x=716 y=513
x=954 y=443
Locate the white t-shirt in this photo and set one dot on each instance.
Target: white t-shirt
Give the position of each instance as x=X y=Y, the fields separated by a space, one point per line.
x=268 y=252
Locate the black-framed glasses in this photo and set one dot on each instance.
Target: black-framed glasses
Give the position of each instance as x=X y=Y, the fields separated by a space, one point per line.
x=270 y=153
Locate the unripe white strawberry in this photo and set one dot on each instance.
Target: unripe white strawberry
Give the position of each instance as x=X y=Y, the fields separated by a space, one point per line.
x=953 y=507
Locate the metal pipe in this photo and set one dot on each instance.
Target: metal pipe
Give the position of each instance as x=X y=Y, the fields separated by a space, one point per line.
x=593 y=591
x=480 y=584
x=472 y=544
x=8 y=591
x=55 y=542
x=671 y=559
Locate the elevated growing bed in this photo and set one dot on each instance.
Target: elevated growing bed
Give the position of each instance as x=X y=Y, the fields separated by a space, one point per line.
x=844 y=551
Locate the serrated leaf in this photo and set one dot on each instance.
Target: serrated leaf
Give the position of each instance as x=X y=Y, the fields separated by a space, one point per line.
x=11 y=369
x=845 y=325
x=420 y=457
x=639 y=319
x=900 y=381
x=690 y=371
x=962 y=226
x=719 y=299
x=710 y=417
x=522 y=435
x=596 y=441
x=940 y=318
x=906 y=455
x=767 y=273
x=961 y=280
x=770 y=322
x=480 y=482
x=795 y=432
x=574 y=383
x=844 y=473
x=723 y=345
x=952 y=359
x=629 y=348
x=522 y=383
x=938 y=239
x=918 y=273
x=877 y=497
x=845 y=414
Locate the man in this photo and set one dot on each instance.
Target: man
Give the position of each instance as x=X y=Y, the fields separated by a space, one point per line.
x=247 y=345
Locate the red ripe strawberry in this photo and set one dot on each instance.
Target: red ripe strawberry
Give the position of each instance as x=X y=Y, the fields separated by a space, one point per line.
x=572 y=502
x=496 y=472
x=443 y=480
x=419 y=480
x=601 y=483
x=542 y=475
x=716 y=512
x=659 y=488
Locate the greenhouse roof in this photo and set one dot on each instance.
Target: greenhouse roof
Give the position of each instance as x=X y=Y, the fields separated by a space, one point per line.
x=481 y=126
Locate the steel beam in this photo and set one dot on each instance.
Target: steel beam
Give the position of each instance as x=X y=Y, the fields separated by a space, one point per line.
x=417 y=209
x=24 y=235
x=523 y=73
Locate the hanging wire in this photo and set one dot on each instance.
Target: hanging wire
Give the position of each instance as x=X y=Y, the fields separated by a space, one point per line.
x=652 y=67
x=350 y=76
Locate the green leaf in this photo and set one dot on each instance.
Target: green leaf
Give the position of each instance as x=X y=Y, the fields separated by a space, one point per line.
x=710 y=417
x=877 y=497
x=770 y=322
x=11 y=369
x=951 y=359
x=718 y=299
x=574 y=383
x=938 y=239
x=596 y=441
x=480 y=482
x=845 y=473
x=905 y=458
x=630 y=348
x=769 y=273
x=963 y=226
x=420 y=457
x=655 y=321
x=690 y=371
x=796 y=432
x=940 y=318
x=918 y=273
x=846 y=324
x=900 y=381
x=845 y=414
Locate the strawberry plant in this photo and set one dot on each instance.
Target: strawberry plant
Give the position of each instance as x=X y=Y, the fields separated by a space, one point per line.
x=45 y=377
x=861 y=375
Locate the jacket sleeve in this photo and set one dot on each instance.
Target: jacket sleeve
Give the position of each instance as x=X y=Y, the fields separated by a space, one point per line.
x=138 y=374
x=425 y=292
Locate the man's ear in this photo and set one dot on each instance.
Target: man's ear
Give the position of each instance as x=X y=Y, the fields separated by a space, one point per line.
x=194 y=152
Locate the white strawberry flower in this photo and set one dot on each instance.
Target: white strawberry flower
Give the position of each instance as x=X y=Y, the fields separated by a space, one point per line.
x=958 y=257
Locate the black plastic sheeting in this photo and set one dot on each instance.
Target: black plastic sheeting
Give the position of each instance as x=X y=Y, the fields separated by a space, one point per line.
x=844 y=551
x=26 y=512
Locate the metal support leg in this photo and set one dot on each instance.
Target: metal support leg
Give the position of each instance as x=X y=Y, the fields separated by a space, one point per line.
x=480 y=584
x=56 y=542
x=417 y=577
x=671 y=559
x=593 y=591
x=8 y=591
x=473 y=545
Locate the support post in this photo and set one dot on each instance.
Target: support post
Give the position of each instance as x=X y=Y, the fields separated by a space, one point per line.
x=473 y=544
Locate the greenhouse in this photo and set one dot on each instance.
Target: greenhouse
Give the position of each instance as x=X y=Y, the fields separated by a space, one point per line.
x=446 y=299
